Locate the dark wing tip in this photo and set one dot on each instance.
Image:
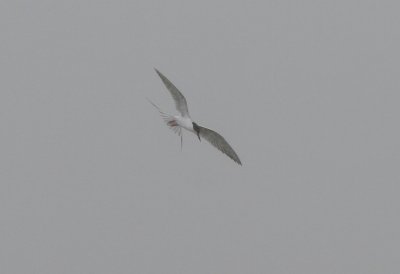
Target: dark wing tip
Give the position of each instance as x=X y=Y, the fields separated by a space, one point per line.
x=236 y=159
x=163 y=78
x=158 y=72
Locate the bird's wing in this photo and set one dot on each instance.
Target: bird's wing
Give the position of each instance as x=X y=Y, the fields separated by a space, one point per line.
x=180 y=101
x=219 y=142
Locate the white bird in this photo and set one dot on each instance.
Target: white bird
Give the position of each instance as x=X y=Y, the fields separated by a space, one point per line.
x=177 y=122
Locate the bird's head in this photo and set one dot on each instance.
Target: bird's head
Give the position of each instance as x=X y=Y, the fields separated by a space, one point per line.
x=196 y=129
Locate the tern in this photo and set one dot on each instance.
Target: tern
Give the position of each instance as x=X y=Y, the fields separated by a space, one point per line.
x=183 y=121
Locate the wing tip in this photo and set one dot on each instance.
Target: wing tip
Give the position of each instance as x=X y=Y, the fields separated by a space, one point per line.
x=237 y=160
x=158 y=72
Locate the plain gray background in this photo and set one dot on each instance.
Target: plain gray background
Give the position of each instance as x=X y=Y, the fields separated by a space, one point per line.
x=92 y=181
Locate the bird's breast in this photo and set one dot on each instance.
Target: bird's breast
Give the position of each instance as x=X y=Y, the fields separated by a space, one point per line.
x=185 y=122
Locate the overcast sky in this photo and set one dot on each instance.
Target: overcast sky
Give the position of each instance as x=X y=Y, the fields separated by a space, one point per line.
x=306 y=92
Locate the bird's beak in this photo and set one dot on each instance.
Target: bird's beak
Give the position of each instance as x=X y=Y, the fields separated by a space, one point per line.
x=198 y=135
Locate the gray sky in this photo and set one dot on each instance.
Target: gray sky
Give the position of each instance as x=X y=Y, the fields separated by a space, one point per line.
x=92 y=181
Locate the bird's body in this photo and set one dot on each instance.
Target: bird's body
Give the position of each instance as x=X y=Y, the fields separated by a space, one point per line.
x=177 y=122
x=185 y=122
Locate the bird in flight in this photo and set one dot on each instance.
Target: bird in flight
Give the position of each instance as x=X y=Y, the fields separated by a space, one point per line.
x=177 y=122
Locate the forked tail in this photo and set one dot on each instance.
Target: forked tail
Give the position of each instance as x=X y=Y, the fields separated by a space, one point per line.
x=170 y=121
